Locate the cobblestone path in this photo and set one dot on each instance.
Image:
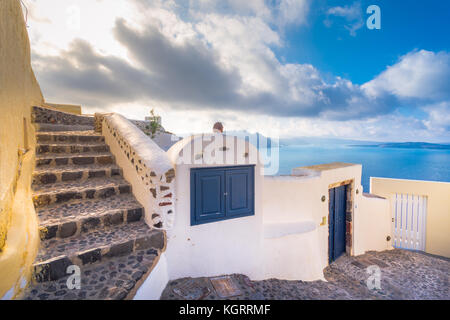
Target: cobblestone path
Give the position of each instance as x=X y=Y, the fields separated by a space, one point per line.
x=404 y=275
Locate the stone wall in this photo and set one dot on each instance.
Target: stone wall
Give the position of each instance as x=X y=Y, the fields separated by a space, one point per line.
x=46 y=115
x=145 y=166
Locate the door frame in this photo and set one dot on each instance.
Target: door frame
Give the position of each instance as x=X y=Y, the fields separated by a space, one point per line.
x=350 y=184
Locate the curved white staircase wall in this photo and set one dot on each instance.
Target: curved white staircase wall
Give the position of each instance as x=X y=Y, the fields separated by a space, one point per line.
x=156 y=282
x=146 y=166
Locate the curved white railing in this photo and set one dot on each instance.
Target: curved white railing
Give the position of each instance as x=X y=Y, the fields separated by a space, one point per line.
x=145 y=165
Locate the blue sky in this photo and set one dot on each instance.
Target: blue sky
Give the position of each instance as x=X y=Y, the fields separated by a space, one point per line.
x=284 y=68
x=406 y=26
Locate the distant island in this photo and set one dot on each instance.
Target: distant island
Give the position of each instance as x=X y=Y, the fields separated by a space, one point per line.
x=408 y=145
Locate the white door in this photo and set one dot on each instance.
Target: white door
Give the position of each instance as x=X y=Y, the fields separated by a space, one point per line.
x=409 y=219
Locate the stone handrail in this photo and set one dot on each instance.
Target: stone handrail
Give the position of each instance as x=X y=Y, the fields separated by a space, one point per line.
x=145 y=165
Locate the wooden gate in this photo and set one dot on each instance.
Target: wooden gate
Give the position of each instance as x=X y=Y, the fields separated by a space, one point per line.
x=409 y=219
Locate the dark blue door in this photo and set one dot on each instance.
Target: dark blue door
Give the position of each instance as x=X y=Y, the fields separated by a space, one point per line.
x=222 y=193
x=338 y=206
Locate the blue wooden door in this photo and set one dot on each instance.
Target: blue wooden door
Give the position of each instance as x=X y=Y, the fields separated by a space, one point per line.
x=338 y=206
x=222 y=193
x=209 y=195
x=239 y=192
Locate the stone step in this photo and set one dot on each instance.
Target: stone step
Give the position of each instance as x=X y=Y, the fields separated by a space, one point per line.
x=52 y=116
x=114 y=279
x=80 y=216
x=95 y=188
x=64 y=159
x=53 y=174
x=56 y=255
x=62 y=147
x=49 y=127
x=69 y=136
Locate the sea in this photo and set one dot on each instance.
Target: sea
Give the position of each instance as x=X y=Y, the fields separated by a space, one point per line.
x=398 y=163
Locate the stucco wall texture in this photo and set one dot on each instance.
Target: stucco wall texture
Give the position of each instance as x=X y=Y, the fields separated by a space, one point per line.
x=19 y=91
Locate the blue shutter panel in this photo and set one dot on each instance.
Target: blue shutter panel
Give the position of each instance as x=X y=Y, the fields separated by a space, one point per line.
x=222 y=193
x=209 y=188
x=240 y=191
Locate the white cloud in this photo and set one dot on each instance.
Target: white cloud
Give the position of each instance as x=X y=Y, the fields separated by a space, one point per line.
x=439 y=118
x=216 y=60
x=419 y=74
x=353 y=16
x=293 y=12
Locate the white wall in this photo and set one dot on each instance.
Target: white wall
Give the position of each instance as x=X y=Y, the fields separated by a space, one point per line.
x=154 y=285
x=298 y=253
x=284 y=240
x=297 y=200
x=225 y=247
x=372 y=225
x=146 y=168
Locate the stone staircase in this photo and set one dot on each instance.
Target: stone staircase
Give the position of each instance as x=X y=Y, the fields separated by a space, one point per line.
x=87 y=213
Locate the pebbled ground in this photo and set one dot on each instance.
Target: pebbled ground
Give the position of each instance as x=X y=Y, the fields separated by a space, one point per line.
x=405 y=275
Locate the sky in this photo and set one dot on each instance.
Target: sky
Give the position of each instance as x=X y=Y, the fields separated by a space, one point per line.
x=284 y=68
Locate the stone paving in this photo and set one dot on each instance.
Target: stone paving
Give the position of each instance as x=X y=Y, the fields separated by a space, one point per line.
x=63 y=147
x=97 y=238
x=116 y=279
x=61 y=159
x=404 y=275
x=49 y=174
x=87 y=208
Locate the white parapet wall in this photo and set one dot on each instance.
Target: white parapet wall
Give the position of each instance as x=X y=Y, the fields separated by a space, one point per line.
x=437 y=207
x=145 y=165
